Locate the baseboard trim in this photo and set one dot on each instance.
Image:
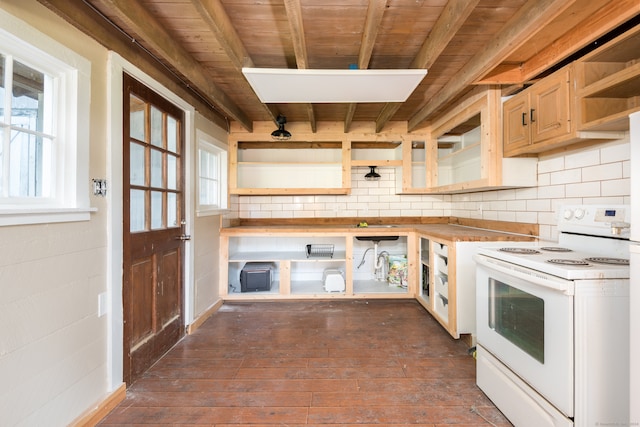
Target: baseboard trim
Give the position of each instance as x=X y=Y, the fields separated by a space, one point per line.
x=95 y=415
x=204 y=316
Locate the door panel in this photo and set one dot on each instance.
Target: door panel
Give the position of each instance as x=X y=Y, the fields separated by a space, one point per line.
x=153 y=177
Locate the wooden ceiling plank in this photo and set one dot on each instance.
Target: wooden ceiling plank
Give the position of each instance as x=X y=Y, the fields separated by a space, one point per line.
x=603 y=21
x=294 y=15
x=214 y=15
x=84 y=18
x=348 y=119
x=375 y=12
x=216 y=18
x=524 y=25
x=453 y=16
x=155 y=35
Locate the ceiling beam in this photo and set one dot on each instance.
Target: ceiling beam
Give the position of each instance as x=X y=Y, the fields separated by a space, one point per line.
x=596 y=25
x=94 y=24
x=296 y=26
x=214 y=15
x=375 y=12
x=453 y=16
x=162 y=44
x=593 y=27
x=522 y=27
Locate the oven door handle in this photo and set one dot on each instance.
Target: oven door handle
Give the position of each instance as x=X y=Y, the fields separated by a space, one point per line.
x=530 y=276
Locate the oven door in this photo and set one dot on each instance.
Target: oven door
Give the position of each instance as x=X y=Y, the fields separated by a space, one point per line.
x=525 y=319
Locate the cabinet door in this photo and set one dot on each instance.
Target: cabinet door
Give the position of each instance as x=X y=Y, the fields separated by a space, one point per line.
x=516 y=123
x=549 y=109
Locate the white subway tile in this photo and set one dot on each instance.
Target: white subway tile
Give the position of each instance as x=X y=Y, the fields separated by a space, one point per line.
x=566 y=176
x=584 y=189
x=550 y=164
x=616 y=187
x=602 y=172
x=579 y=159
x=615 y=152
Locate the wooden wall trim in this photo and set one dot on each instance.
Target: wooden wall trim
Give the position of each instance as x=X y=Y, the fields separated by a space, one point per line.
x=506 y=226
x=95 y=415
x=204 y=316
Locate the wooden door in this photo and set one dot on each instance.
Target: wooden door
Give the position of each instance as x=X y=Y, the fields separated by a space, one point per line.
x=550 y=107
x=153 y=240
x=516 y=124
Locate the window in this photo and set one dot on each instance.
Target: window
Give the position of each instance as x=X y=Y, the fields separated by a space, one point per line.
x=212 y=175
x=44 y=128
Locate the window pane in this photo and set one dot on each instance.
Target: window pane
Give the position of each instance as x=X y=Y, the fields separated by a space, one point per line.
x=156 y=127
x=172 y=172
x=137 y=118
x=156 y=209
x=136 y=164
x=27 y=98
x=137 y=209
x=30 y=165
x=156 y=169
x=172 y=210
x=172 y=134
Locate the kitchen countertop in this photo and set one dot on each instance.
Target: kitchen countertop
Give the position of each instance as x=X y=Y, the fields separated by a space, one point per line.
x=448 y=232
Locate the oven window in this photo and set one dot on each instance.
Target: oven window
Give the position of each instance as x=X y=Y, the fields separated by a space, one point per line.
x=518 y=317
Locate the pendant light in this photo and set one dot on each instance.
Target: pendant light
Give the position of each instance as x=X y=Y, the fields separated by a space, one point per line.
x=281 y=134
x=372 y=175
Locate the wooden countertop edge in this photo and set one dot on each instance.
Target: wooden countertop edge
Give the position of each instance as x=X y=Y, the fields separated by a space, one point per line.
x=445 y=228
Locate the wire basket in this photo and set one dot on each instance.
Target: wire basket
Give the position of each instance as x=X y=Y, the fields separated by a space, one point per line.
x=324 y=250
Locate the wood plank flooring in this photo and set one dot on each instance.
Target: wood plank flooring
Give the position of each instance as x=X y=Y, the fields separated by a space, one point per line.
x=312 y=363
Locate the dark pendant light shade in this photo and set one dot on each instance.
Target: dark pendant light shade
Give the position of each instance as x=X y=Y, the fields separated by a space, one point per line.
x=281 y=134
x=372 y=175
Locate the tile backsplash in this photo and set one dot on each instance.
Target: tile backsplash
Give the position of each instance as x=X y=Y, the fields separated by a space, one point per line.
x=592 y=175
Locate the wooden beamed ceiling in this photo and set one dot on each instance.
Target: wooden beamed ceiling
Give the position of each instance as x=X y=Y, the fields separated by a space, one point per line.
x=201 y=46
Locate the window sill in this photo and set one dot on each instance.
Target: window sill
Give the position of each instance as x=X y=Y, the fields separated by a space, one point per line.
x=23 y=216
x=211 y=212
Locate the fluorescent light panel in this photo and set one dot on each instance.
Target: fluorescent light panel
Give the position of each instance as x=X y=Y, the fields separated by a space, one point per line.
x=276 y=85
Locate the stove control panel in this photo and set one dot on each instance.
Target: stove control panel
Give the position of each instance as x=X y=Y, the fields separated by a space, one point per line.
x=595 y=220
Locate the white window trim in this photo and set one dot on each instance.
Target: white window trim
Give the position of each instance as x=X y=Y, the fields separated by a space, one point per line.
x=72 y=190
x=204 y=142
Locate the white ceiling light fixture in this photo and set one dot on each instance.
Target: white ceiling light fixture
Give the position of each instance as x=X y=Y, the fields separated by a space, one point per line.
x=277 y=85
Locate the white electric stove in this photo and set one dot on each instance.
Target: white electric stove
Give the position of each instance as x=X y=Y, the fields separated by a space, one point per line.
x=553 y=322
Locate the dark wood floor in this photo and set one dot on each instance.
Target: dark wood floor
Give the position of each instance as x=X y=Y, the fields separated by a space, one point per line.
x=312 y=363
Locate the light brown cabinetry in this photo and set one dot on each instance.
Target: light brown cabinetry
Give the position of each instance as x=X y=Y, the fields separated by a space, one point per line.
x=543 y=117
x=447 y=277
x=300 y=273
x=311 y=163
x=464 y=151
x=539 y=117
x=608 y=82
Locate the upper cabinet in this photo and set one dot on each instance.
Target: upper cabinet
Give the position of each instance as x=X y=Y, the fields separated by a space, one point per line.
x=587 y=101
x=608 y=82
x=258 y=168
x=464 y=150
x=538 y=116
x=311 y=162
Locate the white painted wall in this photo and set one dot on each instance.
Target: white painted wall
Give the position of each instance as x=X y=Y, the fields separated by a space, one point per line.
x=58 y=358
x=53 y=344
